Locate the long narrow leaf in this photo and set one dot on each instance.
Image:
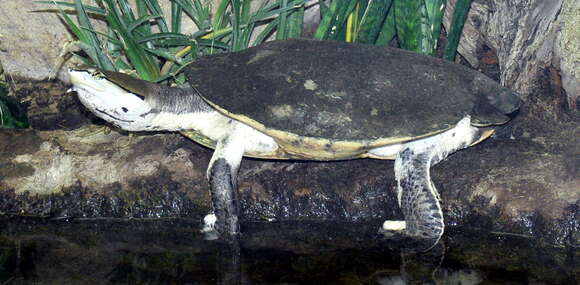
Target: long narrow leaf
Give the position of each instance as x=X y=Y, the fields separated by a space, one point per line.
x=109 y=37
x=144 y=64
x=338 y=30
x=434 y=10
x=265 y=33
x=142 y=25
x=295 y=22
x=176 y=12
x=101 y=59
x=454 y=34
x=282 y=28
x=162 y=36
x=87 y=42
x=91 y=9
x=141 y=21
x=388 y=30
x=408 y=23
x=199 y=16
x=165 y=55
x=329 y=16
x=155 y=9
x=372 y=20
x=220 y=14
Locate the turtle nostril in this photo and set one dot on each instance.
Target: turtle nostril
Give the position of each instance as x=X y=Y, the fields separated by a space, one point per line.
x=124 y=109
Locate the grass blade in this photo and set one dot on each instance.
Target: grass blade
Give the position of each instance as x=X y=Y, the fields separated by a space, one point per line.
x=265 y=33
x=163 y=36
x=282 y=28
x=220 y=15
x=408 y=23
x=144 y=64
x=91 y=9
x=176 y=12
x=334 y=20
x=388 y=30
x=143 y=21
x=295 y=22
x=372 y=21
x=454 y=34
x=434 y=10
x=155 y=9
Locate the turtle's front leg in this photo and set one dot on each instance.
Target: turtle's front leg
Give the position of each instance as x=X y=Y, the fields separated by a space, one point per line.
x=222 y=176
x=417 y=195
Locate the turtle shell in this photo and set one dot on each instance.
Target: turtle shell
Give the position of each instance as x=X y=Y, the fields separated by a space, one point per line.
x=330 y=99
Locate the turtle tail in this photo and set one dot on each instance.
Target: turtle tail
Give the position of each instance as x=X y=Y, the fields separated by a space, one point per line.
x=418 y=198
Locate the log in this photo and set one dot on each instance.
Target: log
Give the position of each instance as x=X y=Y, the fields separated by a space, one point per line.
x=524 y=183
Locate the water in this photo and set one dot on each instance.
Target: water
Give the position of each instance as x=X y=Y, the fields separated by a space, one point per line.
x=104 y=251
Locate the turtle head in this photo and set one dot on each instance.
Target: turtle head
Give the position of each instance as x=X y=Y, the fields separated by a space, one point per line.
x=494 y=104
x=506 y=101
x=107 y=100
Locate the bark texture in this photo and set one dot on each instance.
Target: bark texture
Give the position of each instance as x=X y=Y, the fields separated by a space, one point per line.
x=526 y=38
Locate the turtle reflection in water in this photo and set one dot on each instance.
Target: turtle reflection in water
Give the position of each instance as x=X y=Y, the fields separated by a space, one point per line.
x=314 y=100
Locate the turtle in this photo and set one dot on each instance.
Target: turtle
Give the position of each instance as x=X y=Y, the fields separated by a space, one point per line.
x=304 y=99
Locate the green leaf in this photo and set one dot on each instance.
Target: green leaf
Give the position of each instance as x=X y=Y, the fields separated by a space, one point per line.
x=388 y=30
x=91 y=9
x=176 y=12
x=454 y=34
x=434 y=10
x=164 y=36
x=198 y=14
x=281 y=32
x=408 y=23
x=372 y=20
x=165 y=55
x=334 y=19
x=220 y=15
x=265 y=33
x=295 y=23
x=155 y=9
x=12 y=115
x=145 y=64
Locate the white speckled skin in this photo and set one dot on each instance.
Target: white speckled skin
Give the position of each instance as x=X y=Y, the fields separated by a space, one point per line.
x=416 y=193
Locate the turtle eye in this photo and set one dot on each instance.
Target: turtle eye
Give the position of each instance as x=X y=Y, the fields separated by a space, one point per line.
x=124 y=109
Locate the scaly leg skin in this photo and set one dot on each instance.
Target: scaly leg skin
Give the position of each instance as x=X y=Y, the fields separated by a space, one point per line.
x=419 y=199
x=417 y=196
x=224 y=223
x=224 y=198
x=222 y=173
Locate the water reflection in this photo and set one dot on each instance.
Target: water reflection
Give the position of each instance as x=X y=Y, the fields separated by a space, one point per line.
x=174 y=252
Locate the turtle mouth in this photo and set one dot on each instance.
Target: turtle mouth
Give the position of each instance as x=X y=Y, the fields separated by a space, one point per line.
x=113 y=117
x=514 y=112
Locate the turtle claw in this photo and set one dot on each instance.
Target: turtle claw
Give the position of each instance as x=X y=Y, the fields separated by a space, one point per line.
x=391 y=225
x=209 y=230
x=396 y=231
x=393 y=229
